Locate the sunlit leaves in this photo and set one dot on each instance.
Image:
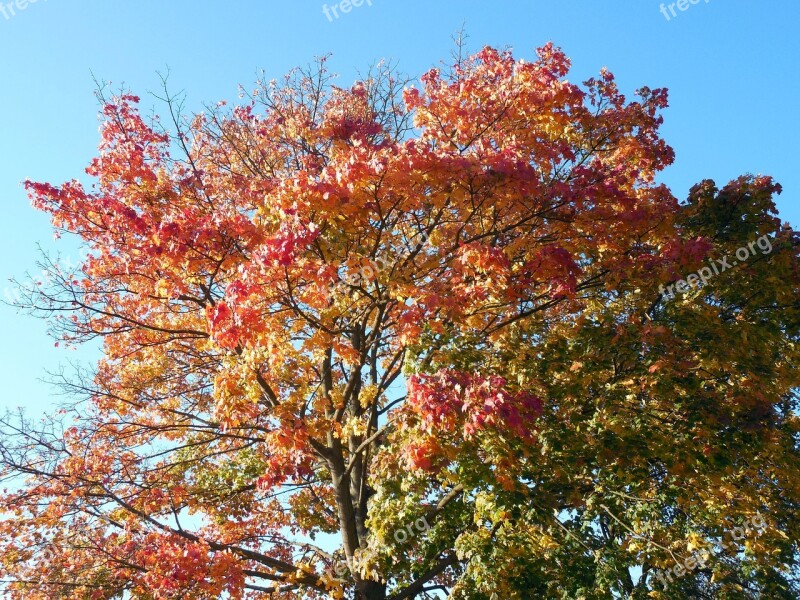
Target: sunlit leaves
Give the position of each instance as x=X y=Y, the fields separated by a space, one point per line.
x=347 y=310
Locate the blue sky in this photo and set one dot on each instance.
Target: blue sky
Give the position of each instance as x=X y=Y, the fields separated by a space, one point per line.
x=731 y=66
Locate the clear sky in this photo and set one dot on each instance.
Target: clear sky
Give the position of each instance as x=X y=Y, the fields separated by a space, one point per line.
x=731 y=66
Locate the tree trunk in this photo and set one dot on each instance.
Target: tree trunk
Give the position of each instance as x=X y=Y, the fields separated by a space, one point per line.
x=371 y=590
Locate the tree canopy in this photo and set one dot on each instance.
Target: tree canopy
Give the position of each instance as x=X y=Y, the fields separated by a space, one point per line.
x=398 y=342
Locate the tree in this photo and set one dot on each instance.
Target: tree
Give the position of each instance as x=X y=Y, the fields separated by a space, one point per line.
x=432 y=323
